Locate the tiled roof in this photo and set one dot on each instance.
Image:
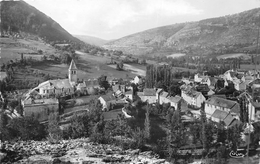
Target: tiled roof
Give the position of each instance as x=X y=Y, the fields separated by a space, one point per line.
x=129 y=92
x=219 y=114
x=58 y=83
x=159 y=90
x=81 y=85
x=229 y=119
x=164 y=94
x=185 y=87
x=140 y=93
x=175 y=99
x=108 y=97
x=149 y=92
x=193 y=93
x=217 y=101
x=72 y=65
x=40 y=101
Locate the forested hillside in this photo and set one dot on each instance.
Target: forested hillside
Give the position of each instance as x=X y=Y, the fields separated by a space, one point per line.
x=18 y=16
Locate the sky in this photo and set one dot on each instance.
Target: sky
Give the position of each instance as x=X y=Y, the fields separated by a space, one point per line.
x=112 y=19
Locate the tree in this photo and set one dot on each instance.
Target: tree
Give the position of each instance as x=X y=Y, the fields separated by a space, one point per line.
x=119 y=66
x=55 y=133
x=147 y=126
x=203 y=120
x=103 y=83
x=243 y=109
x=3 y=129
x=139 y=138
x=26 y=128
x=79 y=126
x=65 y=58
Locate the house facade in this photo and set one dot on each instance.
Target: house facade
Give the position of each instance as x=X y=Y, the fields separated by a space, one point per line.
x=193 y=97
x=165 y=98
x=239 y=85
x=148 y=95
x=107 y=102
x=40 y=108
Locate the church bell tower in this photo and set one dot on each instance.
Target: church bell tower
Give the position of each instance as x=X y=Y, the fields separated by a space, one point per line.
x=73 y=72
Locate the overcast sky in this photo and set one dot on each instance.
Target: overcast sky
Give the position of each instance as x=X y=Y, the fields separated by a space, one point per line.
x=112 y=19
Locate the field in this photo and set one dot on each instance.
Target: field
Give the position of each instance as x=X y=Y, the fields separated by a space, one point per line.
x=176 y=55
x=95 y=66
x=11 y=49
x=235 y=55
x=89 y=66
x=180 y=69
x=249 y=67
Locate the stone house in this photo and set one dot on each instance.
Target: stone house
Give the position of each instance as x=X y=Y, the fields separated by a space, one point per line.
x=148 y=95
x=224 y=116
x=129 y=94
x=193 y=97
x=107 y=101
x=216 y=103
x=40 y=108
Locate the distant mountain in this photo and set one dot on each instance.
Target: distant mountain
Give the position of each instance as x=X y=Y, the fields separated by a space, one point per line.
x=18 y=17
x=227 y=34
x=92 y=40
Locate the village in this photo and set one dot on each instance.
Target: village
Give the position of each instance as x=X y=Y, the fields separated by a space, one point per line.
x=186 y=93
x=230 y=99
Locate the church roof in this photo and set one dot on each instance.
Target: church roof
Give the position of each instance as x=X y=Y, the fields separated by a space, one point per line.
x=72 y=65
x=58 y=84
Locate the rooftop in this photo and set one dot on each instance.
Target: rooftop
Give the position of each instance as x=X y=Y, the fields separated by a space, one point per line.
x=175 y=99
x=229 y=119
x=40 y=101
x=217 y=101
x=220 y=114
x=58 y=83
x=193 y=93
x=72 y=65
x=149 y=92
x=3 y=75
x=108 y=97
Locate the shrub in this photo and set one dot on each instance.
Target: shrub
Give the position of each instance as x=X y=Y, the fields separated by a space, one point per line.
x=98 y=133
x=26 y=128
x=79 y=127
x=54 y=131
x=139 y=139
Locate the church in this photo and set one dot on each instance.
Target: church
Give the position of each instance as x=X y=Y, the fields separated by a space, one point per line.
x=59 y=86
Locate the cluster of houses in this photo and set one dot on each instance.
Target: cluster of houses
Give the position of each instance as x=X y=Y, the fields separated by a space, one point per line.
x=219 y=107
x=193 y=93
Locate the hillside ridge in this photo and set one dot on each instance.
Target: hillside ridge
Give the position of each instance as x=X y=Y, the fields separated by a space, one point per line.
x=19 y=16
x=212 y=36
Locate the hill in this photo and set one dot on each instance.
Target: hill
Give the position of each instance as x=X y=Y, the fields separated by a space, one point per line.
x=227 y=34
x=92 y=40
x=18 y=17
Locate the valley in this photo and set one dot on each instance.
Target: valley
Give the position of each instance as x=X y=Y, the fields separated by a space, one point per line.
x=180 y=93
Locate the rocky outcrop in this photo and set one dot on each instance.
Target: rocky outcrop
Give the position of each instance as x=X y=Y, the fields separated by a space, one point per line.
x=72 y=151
